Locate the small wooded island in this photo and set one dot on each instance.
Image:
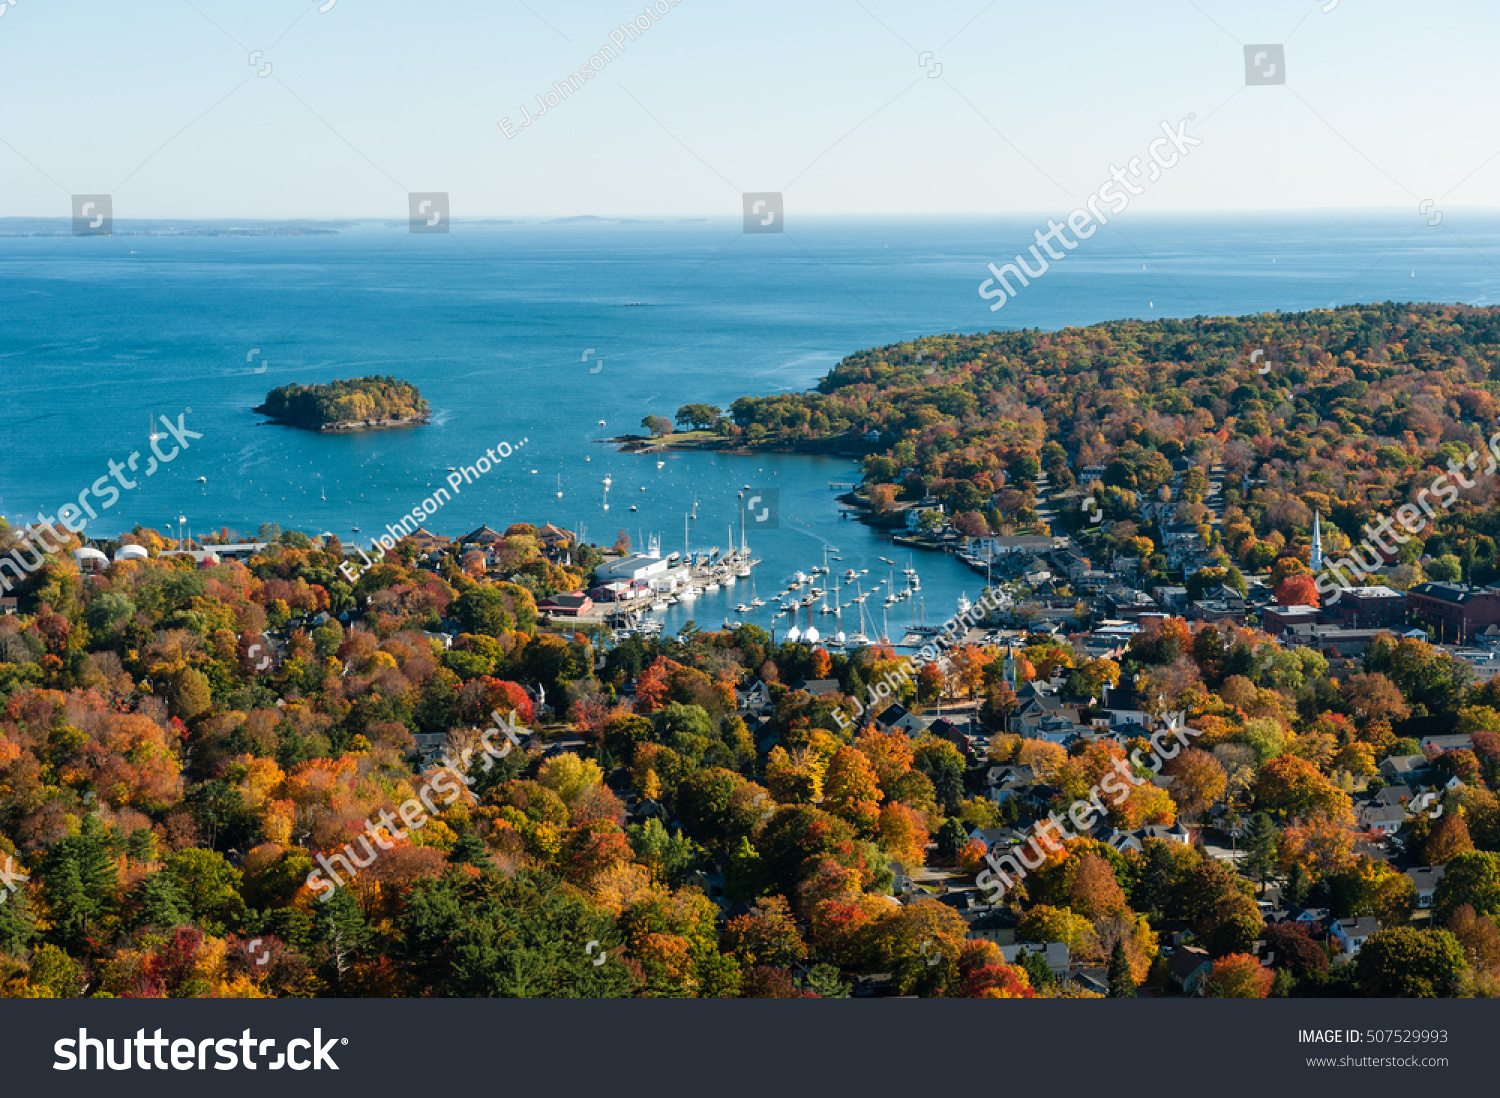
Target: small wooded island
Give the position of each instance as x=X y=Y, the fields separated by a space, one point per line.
x=358 y=404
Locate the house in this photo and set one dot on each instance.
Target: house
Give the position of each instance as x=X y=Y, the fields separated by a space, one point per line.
x=898 y=718
x=996 y=547
x=428 y=542
x=1382 y=819
x=566 y=606
x=1456 y=742
x=754 y=698
x=996 y=925
x=1424 y=879
x=1056 y=953
x=483 y=537
x=914 y=515
x=945 y=729
x=554 y=537
x=1095 y=980
x=1189 y=966
x=1134 y=840
x=1350 y=934
x=1399 y=768
x=818 y=688
x=1393 y=795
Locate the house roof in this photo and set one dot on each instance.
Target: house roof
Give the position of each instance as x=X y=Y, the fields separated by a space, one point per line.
x=1187 y=960
x=1448 y=743
x=1426 y=877
x=1405 y=764
x=818 y=687
x=482 y=536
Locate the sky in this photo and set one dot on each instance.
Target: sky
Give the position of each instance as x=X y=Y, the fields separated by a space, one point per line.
x=847 y=107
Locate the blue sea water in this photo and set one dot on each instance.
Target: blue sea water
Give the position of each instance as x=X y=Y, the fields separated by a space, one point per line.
x=537 y=331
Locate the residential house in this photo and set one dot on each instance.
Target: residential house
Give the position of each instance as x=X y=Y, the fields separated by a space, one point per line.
x=1404 y=768
x=1424 y=879
x=897 y=717
x=1190 y=966
x=1350 y=934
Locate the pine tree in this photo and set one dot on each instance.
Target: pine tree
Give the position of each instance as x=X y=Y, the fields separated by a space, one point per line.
x=1259 y=845
x=469 y=850
x=340 y=932
x=80 y=879
x=1121 y=980
x=1036 y=968
x=162 y=903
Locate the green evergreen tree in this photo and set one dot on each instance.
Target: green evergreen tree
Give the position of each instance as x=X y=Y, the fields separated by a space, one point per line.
x=826 y=982
x=1261 y=853
x=339 y=933
x=80 y=879
x=1036 y=968
x=469 y=850
x=1121 y=981
x=162 y=903
x=951 y=837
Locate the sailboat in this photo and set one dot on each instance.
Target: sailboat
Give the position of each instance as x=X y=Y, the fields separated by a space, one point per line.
x=744 y=562
x=559 y=486
x=152 y=433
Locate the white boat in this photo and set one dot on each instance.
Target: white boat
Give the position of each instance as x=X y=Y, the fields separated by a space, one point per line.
x=607 y=481
x=728 y=579
x=659 y=604
x=659 y=464
x=559 y=486
x=711 y=586
x=850 y=575
x=742 y=609
x=757 y=602
x=688 y=594
x=964 y=605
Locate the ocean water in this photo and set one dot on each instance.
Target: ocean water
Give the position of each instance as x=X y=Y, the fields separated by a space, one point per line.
x=532 y=333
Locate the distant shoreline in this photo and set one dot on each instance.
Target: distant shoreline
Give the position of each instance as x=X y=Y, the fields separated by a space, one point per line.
x=345 y=425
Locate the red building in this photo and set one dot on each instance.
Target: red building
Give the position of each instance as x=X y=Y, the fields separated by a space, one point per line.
x=1456 y=610
x=566 y=606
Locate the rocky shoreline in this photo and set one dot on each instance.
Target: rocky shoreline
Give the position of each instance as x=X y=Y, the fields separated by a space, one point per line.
x=347 y=425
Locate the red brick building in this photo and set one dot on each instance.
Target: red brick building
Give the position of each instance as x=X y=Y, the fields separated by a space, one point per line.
x=1457 y=611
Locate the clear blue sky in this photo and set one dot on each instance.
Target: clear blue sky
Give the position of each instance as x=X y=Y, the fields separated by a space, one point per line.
x=1385 y=104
